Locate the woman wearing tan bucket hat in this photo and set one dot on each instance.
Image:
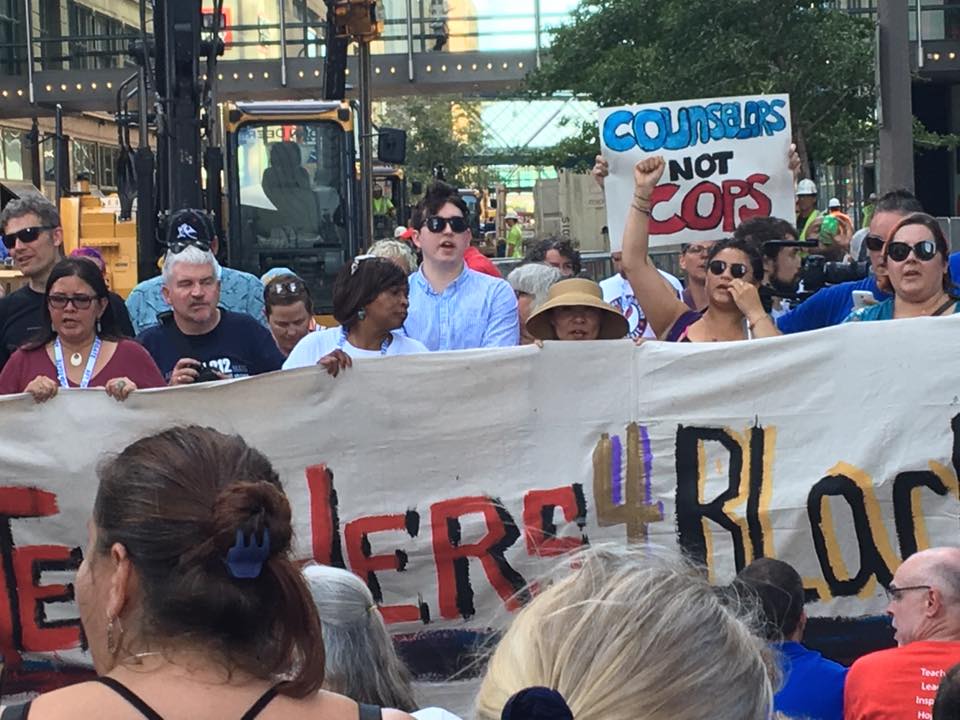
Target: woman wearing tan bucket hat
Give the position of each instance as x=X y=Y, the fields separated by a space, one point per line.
x=575 y=310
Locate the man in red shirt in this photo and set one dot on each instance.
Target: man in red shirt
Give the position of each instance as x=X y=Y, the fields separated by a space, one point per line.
x=901 y=683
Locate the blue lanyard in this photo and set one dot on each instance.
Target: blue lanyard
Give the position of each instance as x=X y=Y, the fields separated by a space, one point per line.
x=87 y=372
x=383 y=346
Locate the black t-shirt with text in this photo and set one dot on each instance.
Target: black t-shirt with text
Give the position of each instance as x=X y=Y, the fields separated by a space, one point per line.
x=237 y=347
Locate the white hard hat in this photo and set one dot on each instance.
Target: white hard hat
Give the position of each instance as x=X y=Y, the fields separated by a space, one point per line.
x=398 y=231
x=511 y=215
x=806 y=187
x=833 y=204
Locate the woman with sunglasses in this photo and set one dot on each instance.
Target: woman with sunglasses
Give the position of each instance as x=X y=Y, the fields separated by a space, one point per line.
x=79 y=344
x=916 y=259
x=370 y=301
x=734 y=272
x=289 y=308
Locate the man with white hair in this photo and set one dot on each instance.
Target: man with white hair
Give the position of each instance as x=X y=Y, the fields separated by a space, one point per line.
x=239 y=291
x=924 y=609
x=198 y=340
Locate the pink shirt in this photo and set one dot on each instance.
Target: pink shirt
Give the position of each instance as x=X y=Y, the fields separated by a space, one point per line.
x=129 y=360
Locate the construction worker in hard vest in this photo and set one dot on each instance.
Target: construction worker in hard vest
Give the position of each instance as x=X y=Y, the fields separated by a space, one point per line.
x=514 y=235
x=382 y=205
x=806 y=205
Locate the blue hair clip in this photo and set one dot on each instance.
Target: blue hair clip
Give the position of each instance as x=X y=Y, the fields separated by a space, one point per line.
x=536 y=703
x=245 y=560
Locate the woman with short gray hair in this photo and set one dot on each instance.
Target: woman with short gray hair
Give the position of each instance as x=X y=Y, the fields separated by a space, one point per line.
x=361 y=661
x=531 y=282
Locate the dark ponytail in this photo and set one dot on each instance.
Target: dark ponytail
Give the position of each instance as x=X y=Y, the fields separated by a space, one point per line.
x=179 y=501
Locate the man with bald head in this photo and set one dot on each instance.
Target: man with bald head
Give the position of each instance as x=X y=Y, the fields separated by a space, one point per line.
x=924 y=609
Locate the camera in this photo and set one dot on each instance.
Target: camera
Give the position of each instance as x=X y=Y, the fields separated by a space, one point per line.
x=205 y=373
x=818 y=273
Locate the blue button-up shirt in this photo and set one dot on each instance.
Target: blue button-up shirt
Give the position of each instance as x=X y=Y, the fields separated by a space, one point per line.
x=473 y=311
x=240 y=292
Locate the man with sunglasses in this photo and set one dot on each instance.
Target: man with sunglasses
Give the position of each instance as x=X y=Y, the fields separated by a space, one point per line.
x=451 y=306
x=240 y=292
x=31 y=232
x=924 y=608
x=832 y=305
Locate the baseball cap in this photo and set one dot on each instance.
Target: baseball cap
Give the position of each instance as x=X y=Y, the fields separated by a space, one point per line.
x=189 y=227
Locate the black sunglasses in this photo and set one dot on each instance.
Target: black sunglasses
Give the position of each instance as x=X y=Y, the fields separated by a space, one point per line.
x=873 y=243
x=80 y=302
x=27 y=235
x=292 y=287
x=738 y=270
x=900 y=251
x=178 y=246
x=436 y=224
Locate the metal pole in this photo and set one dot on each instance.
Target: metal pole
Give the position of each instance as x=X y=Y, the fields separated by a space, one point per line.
x=28 y=7
x=58 y=151
x=895 y=156
x=920 y=58
x=410 y=75
x=536 y=20
x=366 y=147
x=283 y=43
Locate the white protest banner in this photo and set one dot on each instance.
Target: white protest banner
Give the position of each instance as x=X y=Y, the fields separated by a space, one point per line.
x=727 y=161
x=459 y=477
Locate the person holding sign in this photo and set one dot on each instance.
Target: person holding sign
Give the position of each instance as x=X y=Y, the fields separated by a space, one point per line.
x=916 y=257
x=575 y=310
x=370 y=301
x=80 y=342
x=735 y=269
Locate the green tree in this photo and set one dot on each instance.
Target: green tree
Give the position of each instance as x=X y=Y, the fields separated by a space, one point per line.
x=441 y=131
x=619 y=52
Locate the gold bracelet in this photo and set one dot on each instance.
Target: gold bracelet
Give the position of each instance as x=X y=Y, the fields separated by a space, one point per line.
x=644 y=210
x=753 y=324
x=638 y=196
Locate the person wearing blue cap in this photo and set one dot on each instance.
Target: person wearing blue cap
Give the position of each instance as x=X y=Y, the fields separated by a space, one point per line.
x=240 y=292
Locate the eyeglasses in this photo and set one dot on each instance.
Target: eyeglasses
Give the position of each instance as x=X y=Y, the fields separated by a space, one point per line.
x=873 y=243
x=80 y=302
x=738 y=270
x=178 y=246
x=923 y=250
x=436 y=224
x=896 y=593
x=696 y=250
x=27 y=235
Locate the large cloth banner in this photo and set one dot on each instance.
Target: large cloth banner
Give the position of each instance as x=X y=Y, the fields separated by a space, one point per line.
x=449 y=481
x=727 y=161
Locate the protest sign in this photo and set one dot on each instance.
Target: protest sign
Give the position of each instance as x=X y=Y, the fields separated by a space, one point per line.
x=727 y=161
x=449 y=481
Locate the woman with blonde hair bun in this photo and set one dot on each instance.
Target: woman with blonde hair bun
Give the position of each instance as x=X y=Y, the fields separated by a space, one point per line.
x=629 y=635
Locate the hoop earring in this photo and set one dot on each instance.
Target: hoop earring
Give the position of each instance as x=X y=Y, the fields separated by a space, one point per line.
x=113 y=642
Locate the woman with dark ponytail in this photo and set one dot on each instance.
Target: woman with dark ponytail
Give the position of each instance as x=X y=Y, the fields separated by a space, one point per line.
x=189 y=597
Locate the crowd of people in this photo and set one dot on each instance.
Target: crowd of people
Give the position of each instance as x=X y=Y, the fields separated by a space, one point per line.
x=188 y=593
x=429 y=289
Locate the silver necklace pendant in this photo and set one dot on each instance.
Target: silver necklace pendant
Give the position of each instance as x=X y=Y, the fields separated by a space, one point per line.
x=76 y=359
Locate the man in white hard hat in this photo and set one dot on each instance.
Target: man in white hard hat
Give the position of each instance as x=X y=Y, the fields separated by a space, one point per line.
x=806 y=205
x=834 y=204
x=514 y=235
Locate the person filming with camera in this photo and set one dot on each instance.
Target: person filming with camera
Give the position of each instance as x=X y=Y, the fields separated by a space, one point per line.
x=199 y=341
